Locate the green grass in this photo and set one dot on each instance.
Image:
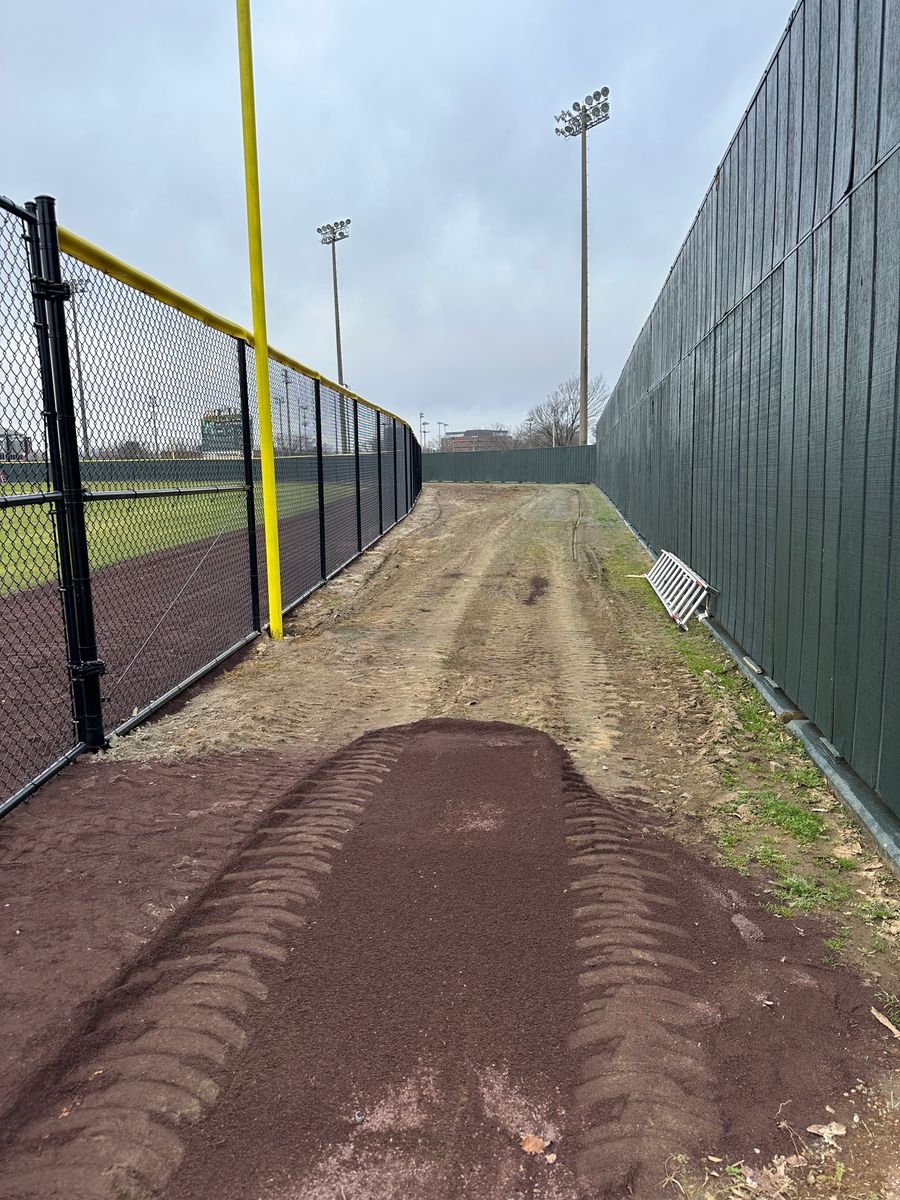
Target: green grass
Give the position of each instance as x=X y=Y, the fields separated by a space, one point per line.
x=765 y=854
x=798 y=893
x=835 y=943
x=803 y=826
x=839 y=940
x=843 y=864
x=805 y=776
x=766 y=807
x=876 y=911
x=889 y=1004
x=122 y=529
x=768 y=855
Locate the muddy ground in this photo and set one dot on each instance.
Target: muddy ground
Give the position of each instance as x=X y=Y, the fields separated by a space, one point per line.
x=644 y=1056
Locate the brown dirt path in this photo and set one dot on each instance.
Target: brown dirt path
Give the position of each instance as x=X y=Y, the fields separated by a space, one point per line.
x=443 y=628
x=442 y=941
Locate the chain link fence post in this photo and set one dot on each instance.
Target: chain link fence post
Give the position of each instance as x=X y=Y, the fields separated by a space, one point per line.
x=359 y=541
x=54 y=469
x=394 y=448
x=380 y=496
x=51 y=292
x=320 y=475
x=247 y=439
x=410 y=468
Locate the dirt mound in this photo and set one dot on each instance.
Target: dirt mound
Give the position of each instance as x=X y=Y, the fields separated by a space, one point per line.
x=442 y=943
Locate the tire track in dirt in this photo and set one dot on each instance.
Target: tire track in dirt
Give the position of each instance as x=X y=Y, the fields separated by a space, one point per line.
x=115 y=854
x=535 y=659
x=646 y=1088
x=501 y=950
x=112 y=1129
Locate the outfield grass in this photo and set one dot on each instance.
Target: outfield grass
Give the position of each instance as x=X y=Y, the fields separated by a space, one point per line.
x=122 y=529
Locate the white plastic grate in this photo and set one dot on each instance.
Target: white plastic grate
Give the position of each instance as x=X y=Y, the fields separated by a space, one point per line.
x=680 y=589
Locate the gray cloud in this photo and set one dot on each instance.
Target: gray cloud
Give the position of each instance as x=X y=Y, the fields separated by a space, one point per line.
x=431 y=125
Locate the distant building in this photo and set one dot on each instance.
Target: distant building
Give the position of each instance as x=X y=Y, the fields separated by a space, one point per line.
x=476 y=439
x=14 y=447
x=221 y=433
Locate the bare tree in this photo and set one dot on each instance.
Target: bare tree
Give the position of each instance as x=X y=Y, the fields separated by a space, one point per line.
x=555 y=422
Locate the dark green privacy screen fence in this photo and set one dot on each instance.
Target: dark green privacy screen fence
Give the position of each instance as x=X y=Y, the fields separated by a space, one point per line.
x=754 y=428
x=563 y=464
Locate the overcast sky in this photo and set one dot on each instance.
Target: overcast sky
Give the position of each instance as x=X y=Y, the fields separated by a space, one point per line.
x=430 y=124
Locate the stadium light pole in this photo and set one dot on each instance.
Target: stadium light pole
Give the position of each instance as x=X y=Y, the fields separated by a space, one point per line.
x=331 y=235
x=575 y=122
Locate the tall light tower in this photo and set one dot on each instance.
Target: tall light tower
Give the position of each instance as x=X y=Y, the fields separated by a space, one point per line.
x=575 y=122
x=331 y=235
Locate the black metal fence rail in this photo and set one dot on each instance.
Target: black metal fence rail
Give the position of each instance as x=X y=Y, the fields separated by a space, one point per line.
x=132 y=559
x=754 y=429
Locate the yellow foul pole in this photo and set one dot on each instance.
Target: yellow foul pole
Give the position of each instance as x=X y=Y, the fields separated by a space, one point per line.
x=260 y=337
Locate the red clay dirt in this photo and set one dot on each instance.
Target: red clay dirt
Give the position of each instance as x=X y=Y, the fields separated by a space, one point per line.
x=93 y=866
x=440 y=941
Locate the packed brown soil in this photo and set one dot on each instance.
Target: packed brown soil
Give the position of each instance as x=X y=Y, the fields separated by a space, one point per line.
x=92 y=868
x=539 y=585
x=442 y=943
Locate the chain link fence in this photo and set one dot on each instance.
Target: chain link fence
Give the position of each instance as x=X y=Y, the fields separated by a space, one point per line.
x=35 y=709
x=131 y=540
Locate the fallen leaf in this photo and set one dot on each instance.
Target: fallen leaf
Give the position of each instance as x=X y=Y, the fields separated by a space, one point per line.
x=828 y=1132
x=532 y=1144
x=879 y=1016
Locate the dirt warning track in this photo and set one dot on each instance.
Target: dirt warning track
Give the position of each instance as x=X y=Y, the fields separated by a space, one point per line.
x=444 y=941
